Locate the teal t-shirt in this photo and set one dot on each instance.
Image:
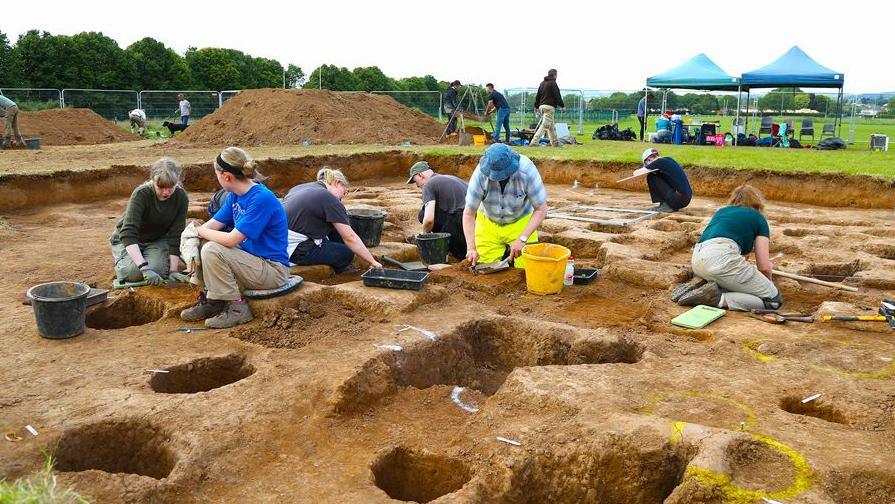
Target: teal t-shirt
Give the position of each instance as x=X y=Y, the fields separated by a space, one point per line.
x=739 y=224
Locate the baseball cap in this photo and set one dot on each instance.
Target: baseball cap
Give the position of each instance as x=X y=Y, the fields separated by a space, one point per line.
x=647 y=153
x=416 y=169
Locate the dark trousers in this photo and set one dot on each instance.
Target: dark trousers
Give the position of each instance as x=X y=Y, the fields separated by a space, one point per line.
x=662 y=192
x=452 y=123
x=452 y=223
x=642 y=125
x=332 y=252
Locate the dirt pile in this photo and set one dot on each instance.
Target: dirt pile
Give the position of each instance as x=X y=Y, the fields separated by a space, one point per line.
x=290 y=116
x=72 y=127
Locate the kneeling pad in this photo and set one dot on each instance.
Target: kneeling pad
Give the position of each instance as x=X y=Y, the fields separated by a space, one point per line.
x=292 y=283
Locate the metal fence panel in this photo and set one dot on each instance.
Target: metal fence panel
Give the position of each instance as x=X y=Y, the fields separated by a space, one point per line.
x=160 y=104
x=113 y=104
x=34 y=98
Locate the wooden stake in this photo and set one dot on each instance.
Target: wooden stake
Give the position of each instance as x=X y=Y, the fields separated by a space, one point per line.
x=815 y=281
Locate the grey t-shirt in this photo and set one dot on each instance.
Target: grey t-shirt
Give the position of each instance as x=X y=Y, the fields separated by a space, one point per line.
x=448 y=192
x=312 y=210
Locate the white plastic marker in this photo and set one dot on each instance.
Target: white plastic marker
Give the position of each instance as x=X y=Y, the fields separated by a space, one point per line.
x=811 y=398
x=31 y=429
x=770 y=501
x=509 y=441
x=156 y=371
x=425 y=332
x=394 y=348
x=455 y=396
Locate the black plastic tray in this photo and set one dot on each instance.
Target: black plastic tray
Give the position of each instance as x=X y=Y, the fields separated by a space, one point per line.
x=395 y=279
x=584 y=276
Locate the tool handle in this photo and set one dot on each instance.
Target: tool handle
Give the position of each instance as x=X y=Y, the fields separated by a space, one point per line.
x=392 y=261
x=815 y=281
x=853 y=318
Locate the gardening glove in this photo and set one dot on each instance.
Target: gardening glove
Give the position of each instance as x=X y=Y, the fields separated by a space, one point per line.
x=177 y=276
x=189 y=246
x=151 y=276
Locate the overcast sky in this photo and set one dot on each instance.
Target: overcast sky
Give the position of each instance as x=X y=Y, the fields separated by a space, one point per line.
x=594 y=45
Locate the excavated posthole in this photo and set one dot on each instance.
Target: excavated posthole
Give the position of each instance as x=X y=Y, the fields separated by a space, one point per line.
x=814 y=409
x=755 y=466
x=618 y=469
x=125 y=311
x=861 y=486
x=833 y=272
x=201 y=375
x=411 y=475
x=117 y=446
x=480 y=355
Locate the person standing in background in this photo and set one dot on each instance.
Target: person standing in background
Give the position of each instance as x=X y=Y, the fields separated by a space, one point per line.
x=185 y=109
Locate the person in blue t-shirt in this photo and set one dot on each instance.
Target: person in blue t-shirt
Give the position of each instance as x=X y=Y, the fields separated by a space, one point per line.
x=723 y=276
x=663 y=129
x=250 y=256
x=497 y=101
x=668 y=184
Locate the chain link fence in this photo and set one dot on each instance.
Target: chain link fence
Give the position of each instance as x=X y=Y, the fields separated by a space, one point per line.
x=112 y=104
x=34 y=98
x=161 y=105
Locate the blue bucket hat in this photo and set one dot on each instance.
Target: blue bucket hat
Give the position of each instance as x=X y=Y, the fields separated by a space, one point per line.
x=499 y=162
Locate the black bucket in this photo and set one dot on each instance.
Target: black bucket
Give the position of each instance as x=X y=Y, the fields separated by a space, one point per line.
x=59 y=308
x=367 y=223
x=433 y=247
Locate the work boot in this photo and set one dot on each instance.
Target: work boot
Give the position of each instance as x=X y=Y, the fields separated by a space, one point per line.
x=665 y=208
x=681 y=289
x=708 y=294
x=237 y=312
x=203 y=309
x=775 y=302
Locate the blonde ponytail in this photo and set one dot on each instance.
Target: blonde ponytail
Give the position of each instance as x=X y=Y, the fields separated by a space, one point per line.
x=329 y=177
x=239 y=159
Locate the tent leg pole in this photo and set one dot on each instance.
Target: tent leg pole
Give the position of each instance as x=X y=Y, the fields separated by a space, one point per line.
x=737 y=120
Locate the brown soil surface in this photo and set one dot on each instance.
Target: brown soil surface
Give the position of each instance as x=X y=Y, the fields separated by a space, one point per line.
x=313 y=402
x=72 y=127
x=291 y=116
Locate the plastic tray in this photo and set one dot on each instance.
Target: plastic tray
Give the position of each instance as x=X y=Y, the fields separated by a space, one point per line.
x=584 y=276
x=395 y=279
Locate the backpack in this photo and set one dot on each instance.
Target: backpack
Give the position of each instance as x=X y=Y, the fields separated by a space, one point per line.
x=832 y=143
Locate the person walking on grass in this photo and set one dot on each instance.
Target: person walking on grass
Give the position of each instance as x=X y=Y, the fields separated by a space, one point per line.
x=146 y=241
x=444 y=197
x=12 y=134
x=184 y=108
x=547 y=101
x=497 y=101
x=250 y=256
x=723 y=277
x=505 y=203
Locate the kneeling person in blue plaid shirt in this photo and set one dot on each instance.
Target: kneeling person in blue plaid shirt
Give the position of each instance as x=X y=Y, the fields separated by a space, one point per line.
x=505 y=203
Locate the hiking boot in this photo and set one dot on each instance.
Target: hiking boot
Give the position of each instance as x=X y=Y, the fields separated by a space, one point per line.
x=708 y=294
x=681 y=289
x=237 y=312
x=203 y=309
x=664 y=207
x=774 y=302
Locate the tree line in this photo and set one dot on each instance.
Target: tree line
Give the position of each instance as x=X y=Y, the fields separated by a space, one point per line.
x=700 y=103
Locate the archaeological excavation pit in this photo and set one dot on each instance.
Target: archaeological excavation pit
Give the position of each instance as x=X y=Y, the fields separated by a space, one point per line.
x=127 y=310
x=201 y=375
x=816 y=409
x=860 y=486
x=412 y=475
x=619 y=469
x=755 y=465
x=117 y=446
x=480 y=355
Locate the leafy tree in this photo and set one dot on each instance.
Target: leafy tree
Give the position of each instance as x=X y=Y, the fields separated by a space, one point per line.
x=8 y=75
x=891 y=105
x=333 y=78
x=99 y=62
x=779 y=99
x=213 y=68
x=295 y=77
x=801 y=101
x=372 y=79
x=155 y=66
x=262 y=73
x=41 y=59
x=425 y=83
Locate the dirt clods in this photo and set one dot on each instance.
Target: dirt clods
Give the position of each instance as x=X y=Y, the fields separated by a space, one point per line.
x=117 y=446
x=201 y=375
x=861 y=486
x=413 y=475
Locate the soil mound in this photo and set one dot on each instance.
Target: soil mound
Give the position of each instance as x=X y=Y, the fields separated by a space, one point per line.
x=289 y=116
x=72 y=127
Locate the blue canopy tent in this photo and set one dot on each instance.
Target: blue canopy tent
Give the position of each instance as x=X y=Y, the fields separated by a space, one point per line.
x=698 y=72
x=794 y=69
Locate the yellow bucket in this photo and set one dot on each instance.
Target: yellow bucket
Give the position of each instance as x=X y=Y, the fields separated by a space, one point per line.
x=478 y=139
x=545 y=267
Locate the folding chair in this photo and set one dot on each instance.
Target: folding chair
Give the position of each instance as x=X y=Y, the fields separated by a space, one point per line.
x=829 y=130
x=766 y=125
x=807 y=128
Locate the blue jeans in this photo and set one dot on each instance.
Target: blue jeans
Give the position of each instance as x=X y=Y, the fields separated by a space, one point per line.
x=503 y=119
x=184 y=120
x=332 y=252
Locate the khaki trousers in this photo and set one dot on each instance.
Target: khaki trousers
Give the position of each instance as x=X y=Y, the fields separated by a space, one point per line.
x=226 y=272
x=743 y=286
x=156 y=254
x=548 y=124
x=12 y=125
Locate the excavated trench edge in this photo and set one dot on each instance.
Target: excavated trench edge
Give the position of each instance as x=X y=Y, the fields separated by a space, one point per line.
x=834 y=190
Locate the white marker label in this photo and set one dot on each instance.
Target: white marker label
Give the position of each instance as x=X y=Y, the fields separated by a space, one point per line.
x=31 y=429
x=394 y=348
x=509 y=441
x=455 y=396
x=811 y=398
